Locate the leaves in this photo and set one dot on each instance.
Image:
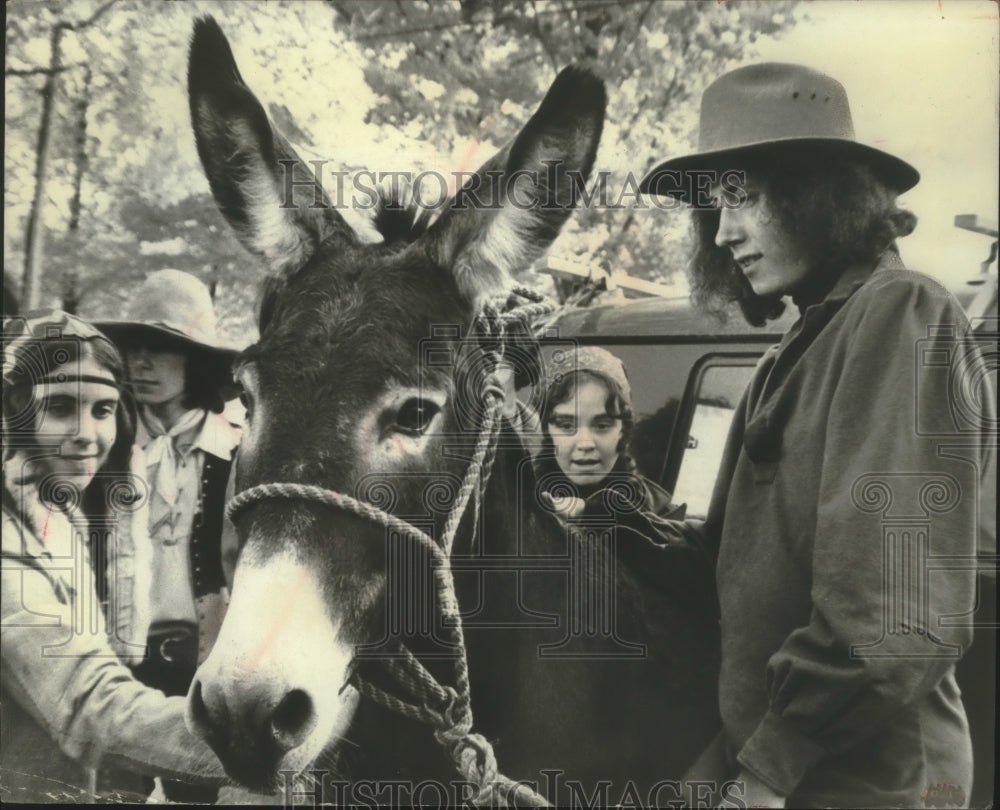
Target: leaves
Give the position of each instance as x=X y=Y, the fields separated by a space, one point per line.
x=495 y=58
x=382 y=85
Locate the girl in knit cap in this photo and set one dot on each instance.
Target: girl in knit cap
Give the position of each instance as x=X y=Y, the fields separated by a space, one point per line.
x=586 y=474
x=587 y=423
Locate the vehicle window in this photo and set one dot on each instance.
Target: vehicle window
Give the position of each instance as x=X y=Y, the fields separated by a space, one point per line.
x=717 y=387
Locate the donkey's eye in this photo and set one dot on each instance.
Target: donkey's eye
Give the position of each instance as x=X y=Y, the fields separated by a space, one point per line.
x=415 y=416
x=247 y=402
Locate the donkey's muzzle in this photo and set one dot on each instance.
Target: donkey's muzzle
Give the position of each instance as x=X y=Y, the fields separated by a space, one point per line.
x=266 y=697
x=250 y=731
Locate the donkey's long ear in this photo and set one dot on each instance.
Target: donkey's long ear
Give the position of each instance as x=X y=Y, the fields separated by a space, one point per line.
x=274 y=203
x=512 y=209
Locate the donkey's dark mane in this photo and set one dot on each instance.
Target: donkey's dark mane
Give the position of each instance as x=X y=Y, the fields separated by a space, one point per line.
x=398 y=218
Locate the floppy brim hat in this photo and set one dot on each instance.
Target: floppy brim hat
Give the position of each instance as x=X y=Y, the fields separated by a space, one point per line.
x=172 y=305
x=766 y=108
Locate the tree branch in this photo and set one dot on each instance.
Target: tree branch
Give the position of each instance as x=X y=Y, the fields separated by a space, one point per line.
x=341 y=11
x=38 y=71
x=402 y=11
x=620 y=50
x=543 y=40
x=62 y=26
x=77 y=26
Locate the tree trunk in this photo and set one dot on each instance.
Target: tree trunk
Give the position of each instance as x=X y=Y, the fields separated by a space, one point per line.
x=34 y=240
x=81 y=106
x=70 y=285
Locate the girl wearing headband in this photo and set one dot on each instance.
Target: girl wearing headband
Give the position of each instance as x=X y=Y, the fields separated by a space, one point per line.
x=587 y=423
x=75 y=568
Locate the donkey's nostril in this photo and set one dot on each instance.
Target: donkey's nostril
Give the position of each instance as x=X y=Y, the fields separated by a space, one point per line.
x=294 y=717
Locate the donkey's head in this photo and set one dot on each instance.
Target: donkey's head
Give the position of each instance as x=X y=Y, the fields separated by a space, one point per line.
x=337 y=395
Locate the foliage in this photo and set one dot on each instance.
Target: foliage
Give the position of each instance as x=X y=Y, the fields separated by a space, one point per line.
x=475 y=69
x=384 y=85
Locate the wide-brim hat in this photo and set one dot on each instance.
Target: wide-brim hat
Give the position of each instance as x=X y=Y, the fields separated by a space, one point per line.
x=172 y=305
x=755 y=110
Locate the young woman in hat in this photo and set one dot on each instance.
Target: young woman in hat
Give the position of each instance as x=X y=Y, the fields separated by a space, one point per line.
x=586 y=475
x=180 y=374
x=853 y=466
x=587 y=423
x=74 y=554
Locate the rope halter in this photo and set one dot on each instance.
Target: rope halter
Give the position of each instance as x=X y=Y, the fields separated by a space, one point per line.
x=448 y=710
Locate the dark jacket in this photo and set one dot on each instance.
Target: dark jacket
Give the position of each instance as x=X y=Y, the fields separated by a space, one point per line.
x=642 y=513
x=844 y=521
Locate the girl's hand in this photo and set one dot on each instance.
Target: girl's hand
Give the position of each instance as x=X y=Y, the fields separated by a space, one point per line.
x=565 y=506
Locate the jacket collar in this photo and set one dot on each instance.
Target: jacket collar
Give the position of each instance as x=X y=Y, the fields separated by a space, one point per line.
x=852 y=279
x=51 y=528
x=217 y=437
x=768 y=406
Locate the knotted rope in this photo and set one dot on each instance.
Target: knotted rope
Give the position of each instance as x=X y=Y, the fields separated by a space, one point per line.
x=447 y=709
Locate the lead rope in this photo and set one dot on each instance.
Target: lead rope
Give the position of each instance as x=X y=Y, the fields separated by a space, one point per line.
x=447 y=709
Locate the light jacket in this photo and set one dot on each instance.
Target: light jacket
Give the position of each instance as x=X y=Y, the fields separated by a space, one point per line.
x=844 y=521
x=212 y=449
x=68 y=705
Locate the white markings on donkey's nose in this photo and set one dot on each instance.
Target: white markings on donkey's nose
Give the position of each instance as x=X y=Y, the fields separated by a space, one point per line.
x=268 y=696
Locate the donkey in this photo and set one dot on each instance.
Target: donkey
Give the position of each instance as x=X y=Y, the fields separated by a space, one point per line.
x=365 y=381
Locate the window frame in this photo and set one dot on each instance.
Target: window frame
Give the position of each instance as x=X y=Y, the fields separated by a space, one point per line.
x=677 y=446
